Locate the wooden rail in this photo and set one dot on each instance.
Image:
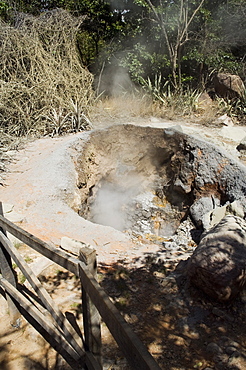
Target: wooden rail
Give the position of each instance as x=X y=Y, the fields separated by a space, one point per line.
x=81 y=351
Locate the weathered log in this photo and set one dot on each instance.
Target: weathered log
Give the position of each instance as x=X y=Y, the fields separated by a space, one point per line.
x=217 y=265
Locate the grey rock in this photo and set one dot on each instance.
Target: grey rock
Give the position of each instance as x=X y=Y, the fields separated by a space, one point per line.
x=223 y=315
x=235 y=354
x=235 y=208
x=73 y=246
x=40 y=265
x=222 y=365
x=207 y=213
x=217 y=265
x=15 y=217
x=201 y=209
x=225 y=120
x=226 y=342
x=235 y=363
x=221 y=358
x=204 y=101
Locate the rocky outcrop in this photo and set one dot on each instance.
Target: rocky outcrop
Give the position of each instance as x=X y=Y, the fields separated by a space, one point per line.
x=217 y=265
x=199 y=169
x=228 y=86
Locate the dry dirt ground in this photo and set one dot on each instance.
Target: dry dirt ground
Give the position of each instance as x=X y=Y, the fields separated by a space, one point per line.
x=181 y=328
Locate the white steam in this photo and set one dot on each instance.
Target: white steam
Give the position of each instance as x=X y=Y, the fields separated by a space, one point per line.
x=114 y=198
x=115 y=81
x=108 y=208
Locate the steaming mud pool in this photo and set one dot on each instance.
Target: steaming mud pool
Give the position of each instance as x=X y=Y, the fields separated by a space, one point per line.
x=143 y=181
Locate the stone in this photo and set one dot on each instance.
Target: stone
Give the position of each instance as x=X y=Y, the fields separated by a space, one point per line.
x=225 y=120
x=217 y=265
x=227 y=342
x=15 y=217
x=242 y=146
x=201 y=209
x=201 y=171
x=206 y=212
x=230 y=350
x=71 y=245
x=236 y=363
x=227 y=85
x=222 y=314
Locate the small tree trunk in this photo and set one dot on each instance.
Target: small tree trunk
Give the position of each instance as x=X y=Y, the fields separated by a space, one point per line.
x=179 y=68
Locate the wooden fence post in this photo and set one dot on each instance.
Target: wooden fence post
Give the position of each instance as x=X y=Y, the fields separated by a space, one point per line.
x=8 y=273
x=91 y=317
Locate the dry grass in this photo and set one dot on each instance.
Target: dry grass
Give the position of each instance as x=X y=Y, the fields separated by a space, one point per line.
x=122 y=108
x=41 y=77
x=138 y=106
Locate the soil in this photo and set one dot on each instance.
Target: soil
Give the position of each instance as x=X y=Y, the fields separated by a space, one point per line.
x=182 y=328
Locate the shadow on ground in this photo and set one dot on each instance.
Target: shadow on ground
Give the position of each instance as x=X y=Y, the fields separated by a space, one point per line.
x=181 y=327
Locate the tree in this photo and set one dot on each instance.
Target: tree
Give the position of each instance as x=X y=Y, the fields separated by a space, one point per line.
x=182 y=40
x=174 y=19
x=221 y=45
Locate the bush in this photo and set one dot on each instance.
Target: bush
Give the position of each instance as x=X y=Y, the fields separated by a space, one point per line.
x=44 y=89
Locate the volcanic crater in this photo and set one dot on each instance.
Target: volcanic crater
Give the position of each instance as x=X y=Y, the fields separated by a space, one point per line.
x=143 y=180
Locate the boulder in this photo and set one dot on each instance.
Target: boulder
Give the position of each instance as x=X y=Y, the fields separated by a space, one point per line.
x=227 y=85
x=217 y=265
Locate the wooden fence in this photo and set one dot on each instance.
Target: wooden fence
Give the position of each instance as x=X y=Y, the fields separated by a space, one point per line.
x=80 y=350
